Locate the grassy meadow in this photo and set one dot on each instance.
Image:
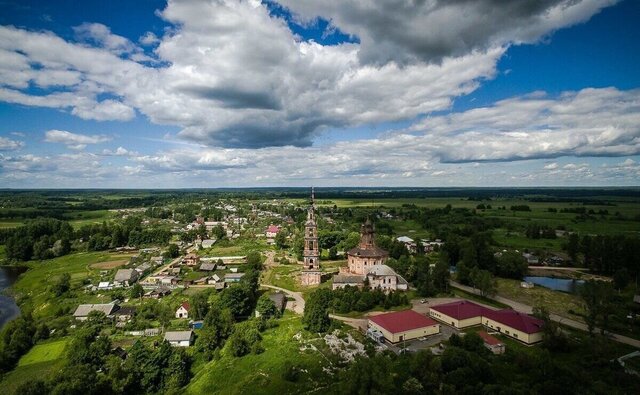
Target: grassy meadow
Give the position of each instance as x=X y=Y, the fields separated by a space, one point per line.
x=557 y=302
x=263 y=373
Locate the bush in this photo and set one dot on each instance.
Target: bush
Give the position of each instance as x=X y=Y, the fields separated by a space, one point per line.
x=290 y=372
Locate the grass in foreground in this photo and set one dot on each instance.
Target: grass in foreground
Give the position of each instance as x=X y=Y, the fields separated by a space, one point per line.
x=263 y=373
x=23 y=374
x=44 y=352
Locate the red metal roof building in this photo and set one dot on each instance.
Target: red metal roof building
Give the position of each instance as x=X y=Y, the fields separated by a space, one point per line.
x=463 y=314
x=404 y=325
x=516 y=320
x=460 y=310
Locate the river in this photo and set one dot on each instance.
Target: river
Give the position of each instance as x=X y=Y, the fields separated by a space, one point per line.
x=8 y=307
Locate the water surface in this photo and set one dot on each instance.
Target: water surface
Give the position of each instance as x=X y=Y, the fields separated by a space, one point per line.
x=8 y=307
x=557 y=284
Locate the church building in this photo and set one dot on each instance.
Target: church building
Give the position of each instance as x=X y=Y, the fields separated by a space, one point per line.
x=367 y=261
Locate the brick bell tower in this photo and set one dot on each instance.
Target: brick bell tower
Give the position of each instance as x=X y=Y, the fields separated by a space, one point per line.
x=311 y=273
x=311 y=248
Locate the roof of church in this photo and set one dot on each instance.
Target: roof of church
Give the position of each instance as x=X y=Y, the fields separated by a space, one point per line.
x=372 y=251
x=348 y=279
x=384 y=270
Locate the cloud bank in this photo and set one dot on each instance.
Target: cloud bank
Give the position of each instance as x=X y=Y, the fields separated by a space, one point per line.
x=230 y=74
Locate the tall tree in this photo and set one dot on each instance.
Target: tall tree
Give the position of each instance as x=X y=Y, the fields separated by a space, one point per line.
x=316 y=311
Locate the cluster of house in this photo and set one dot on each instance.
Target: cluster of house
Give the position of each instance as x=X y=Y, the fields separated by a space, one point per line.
x=232 y=224
x=170 y=277
x=427 y=245
x=534 y=260
x=123 y=314
x=112 y=311
x=127 y=277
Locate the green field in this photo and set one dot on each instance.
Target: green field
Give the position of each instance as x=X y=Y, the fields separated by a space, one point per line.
x=285 y=276
x=262 y=373
x=518 y=240
x=44 y=352
x=75 y=218
x=10 y=223
x=236 y=247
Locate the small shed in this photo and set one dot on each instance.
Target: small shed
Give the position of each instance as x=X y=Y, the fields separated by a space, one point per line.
x=494 y=345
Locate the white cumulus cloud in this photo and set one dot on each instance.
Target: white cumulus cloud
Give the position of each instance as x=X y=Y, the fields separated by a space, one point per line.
x=74 y=140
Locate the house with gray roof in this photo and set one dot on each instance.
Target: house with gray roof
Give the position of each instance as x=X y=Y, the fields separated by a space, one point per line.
x=207 y=267
x=126 y=277
x=233 y=277
x=179 y=338
x=82 y=312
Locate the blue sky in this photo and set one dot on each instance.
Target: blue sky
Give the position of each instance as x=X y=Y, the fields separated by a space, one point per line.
x=335 y=93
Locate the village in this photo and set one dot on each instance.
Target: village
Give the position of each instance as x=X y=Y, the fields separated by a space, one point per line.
x=427 y=325
x=302 y=278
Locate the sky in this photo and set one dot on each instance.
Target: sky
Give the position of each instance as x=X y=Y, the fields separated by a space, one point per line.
x=235 y=93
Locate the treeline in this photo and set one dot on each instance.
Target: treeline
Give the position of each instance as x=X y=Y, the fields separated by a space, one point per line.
x=417 y=270
x=607 y=254
x=38 y=239
x=537 y=231
x=46 y=238
x=18 y=336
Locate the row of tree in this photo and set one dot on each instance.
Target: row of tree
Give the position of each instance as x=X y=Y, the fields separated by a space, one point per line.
x=46 y=238
x=350 y=299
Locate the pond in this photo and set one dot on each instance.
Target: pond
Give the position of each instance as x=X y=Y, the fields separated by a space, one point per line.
x=8 y=307
x=557 y=284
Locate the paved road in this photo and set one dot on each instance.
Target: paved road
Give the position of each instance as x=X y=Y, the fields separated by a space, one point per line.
x=569 y=268
x=297 y=305
x=524 y=308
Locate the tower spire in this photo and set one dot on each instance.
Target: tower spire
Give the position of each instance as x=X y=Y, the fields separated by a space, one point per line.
x=313 y=196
